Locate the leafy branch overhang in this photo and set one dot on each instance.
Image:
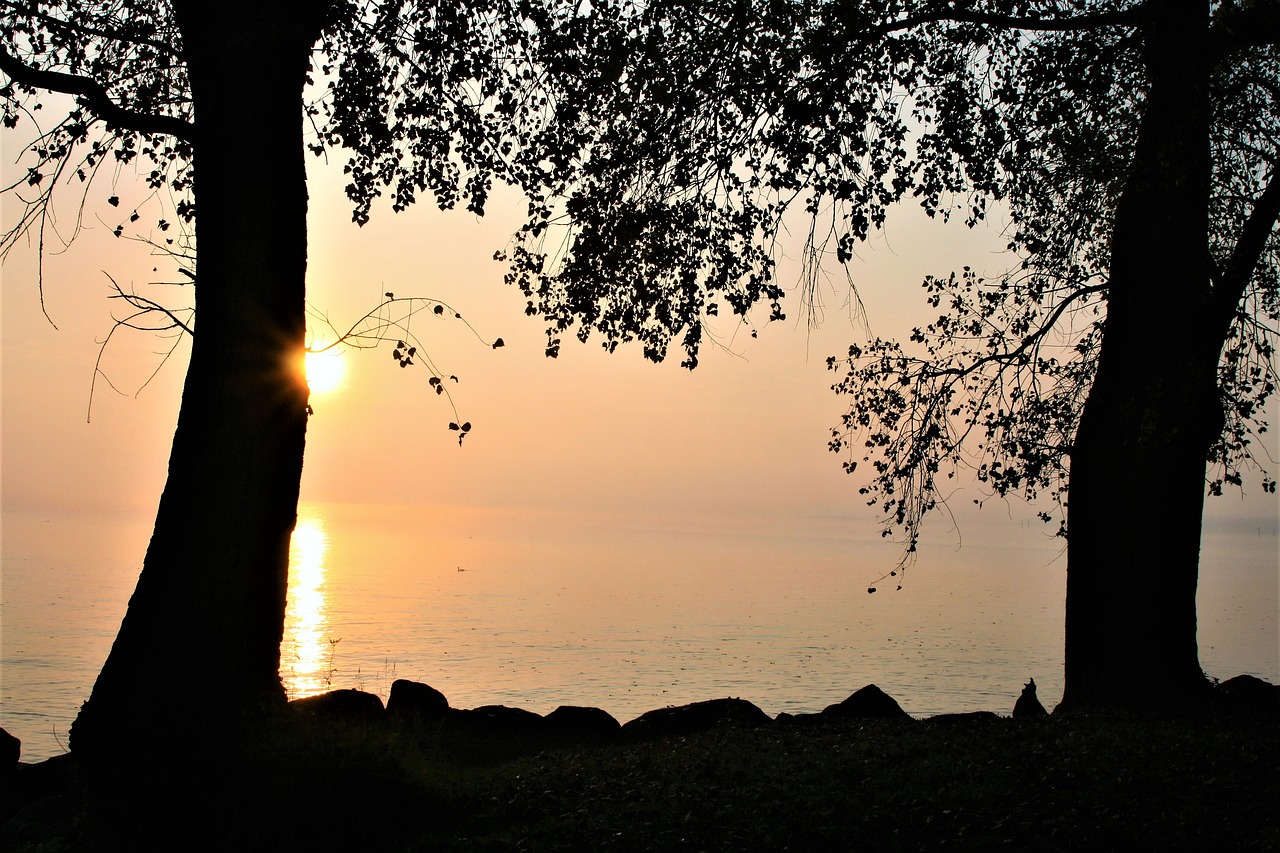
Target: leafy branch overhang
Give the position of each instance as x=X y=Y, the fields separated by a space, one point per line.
x=94 y=96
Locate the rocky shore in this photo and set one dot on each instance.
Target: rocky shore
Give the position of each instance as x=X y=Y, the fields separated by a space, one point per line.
x=719 y=774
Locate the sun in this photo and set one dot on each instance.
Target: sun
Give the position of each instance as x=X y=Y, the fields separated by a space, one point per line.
x=325 y=371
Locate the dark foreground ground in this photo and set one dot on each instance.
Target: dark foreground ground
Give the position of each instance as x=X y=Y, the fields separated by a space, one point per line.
x=1075 y=783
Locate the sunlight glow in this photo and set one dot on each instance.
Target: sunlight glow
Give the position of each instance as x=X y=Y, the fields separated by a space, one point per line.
x=325 y=371
x=306 y=660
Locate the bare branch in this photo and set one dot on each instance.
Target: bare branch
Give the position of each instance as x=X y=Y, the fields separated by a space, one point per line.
x=144 y=307
x=378 y=326
x=147 y=306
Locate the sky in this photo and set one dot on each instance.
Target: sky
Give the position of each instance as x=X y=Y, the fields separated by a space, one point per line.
x=744 y=434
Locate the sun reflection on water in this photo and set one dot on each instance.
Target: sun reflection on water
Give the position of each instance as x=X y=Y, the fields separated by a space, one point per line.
x=306 y=659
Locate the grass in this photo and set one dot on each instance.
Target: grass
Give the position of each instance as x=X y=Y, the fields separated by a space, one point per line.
x=1076 y=783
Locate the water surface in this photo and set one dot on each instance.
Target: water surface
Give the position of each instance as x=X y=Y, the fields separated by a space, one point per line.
x=628 y=613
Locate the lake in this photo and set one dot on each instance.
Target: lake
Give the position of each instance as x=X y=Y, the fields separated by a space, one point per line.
x=625 y=612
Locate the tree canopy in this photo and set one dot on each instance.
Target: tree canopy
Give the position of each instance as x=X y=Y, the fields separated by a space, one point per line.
x=707 y=130
x=667 y=148
x=428 y=98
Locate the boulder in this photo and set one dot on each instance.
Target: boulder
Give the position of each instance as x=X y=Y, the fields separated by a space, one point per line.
x=10 y=752
x=1247 y=694
x=496 y=721
x=1028 y=706
x=414 y=701
x=689 y=719
x=799 y=720
x=576 y=723
x=966 y=718
x=27 y=786
x=869 y=702
x=50 y=777
x=350 y=705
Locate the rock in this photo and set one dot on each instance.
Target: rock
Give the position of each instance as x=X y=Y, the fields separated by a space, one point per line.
x=51 y=777
x=10 y=752
x=416 y=702
x=496 y=721
x=29 y=791
x=689 y=719
x=966 y=718
x=576 y=723
x=1028 y=706
x=799 y=720
x=869 y=702
x=351 y=705
x=1246 y=694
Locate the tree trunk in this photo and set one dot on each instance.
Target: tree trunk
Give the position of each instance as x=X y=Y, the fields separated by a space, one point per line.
x=1138 y=464
x=199 y=649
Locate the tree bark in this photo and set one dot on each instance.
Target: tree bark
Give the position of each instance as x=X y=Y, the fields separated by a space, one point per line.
x=198 y=651
x=1138 y=463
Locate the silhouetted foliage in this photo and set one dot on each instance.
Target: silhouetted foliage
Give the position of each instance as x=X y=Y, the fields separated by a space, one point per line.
x=706 y=130
x=1131 y=149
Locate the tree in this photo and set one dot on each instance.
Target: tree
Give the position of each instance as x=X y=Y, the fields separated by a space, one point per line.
x=1132 y=148
x=673 y=139
x=210 y=97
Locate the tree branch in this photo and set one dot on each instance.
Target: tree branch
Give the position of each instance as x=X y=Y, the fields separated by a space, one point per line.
x=147 y=306
x=110 y=35
x=1230 y=283
x=1029 y=341
x=1121 y=17
x=94 y=96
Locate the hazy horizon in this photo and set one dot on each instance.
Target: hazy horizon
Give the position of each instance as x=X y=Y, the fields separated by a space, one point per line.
x=746 y=431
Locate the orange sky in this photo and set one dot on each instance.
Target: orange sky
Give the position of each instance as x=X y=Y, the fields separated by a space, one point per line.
x=745 y=433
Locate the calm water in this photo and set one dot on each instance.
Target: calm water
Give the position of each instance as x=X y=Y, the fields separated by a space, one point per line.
x=626 y=613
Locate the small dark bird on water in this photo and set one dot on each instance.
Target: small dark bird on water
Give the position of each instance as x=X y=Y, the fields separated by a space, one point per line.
x=1028 y=705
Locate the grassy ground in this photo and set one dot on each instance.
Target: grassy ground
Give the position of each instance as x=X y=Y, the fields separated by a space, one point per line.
x=1057 y=784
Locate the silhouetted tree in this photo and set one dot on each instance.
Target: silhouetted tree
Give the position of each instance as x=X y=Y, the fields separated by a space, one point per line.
x=672 y=138
x=209 y=98
x=1133 y=148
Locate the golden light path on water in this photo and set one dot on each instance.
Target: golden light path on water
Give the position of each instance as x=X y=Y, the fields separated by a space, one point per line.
x=306 y=648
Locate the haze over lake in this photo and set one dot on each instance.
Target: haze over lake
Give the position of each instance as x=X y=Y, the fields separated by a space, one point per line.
x=627 y=612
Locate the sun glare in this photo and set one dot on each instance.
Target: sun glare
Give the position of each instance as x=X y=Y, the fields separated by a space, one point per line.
x=325 y=371
x=307 y=620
